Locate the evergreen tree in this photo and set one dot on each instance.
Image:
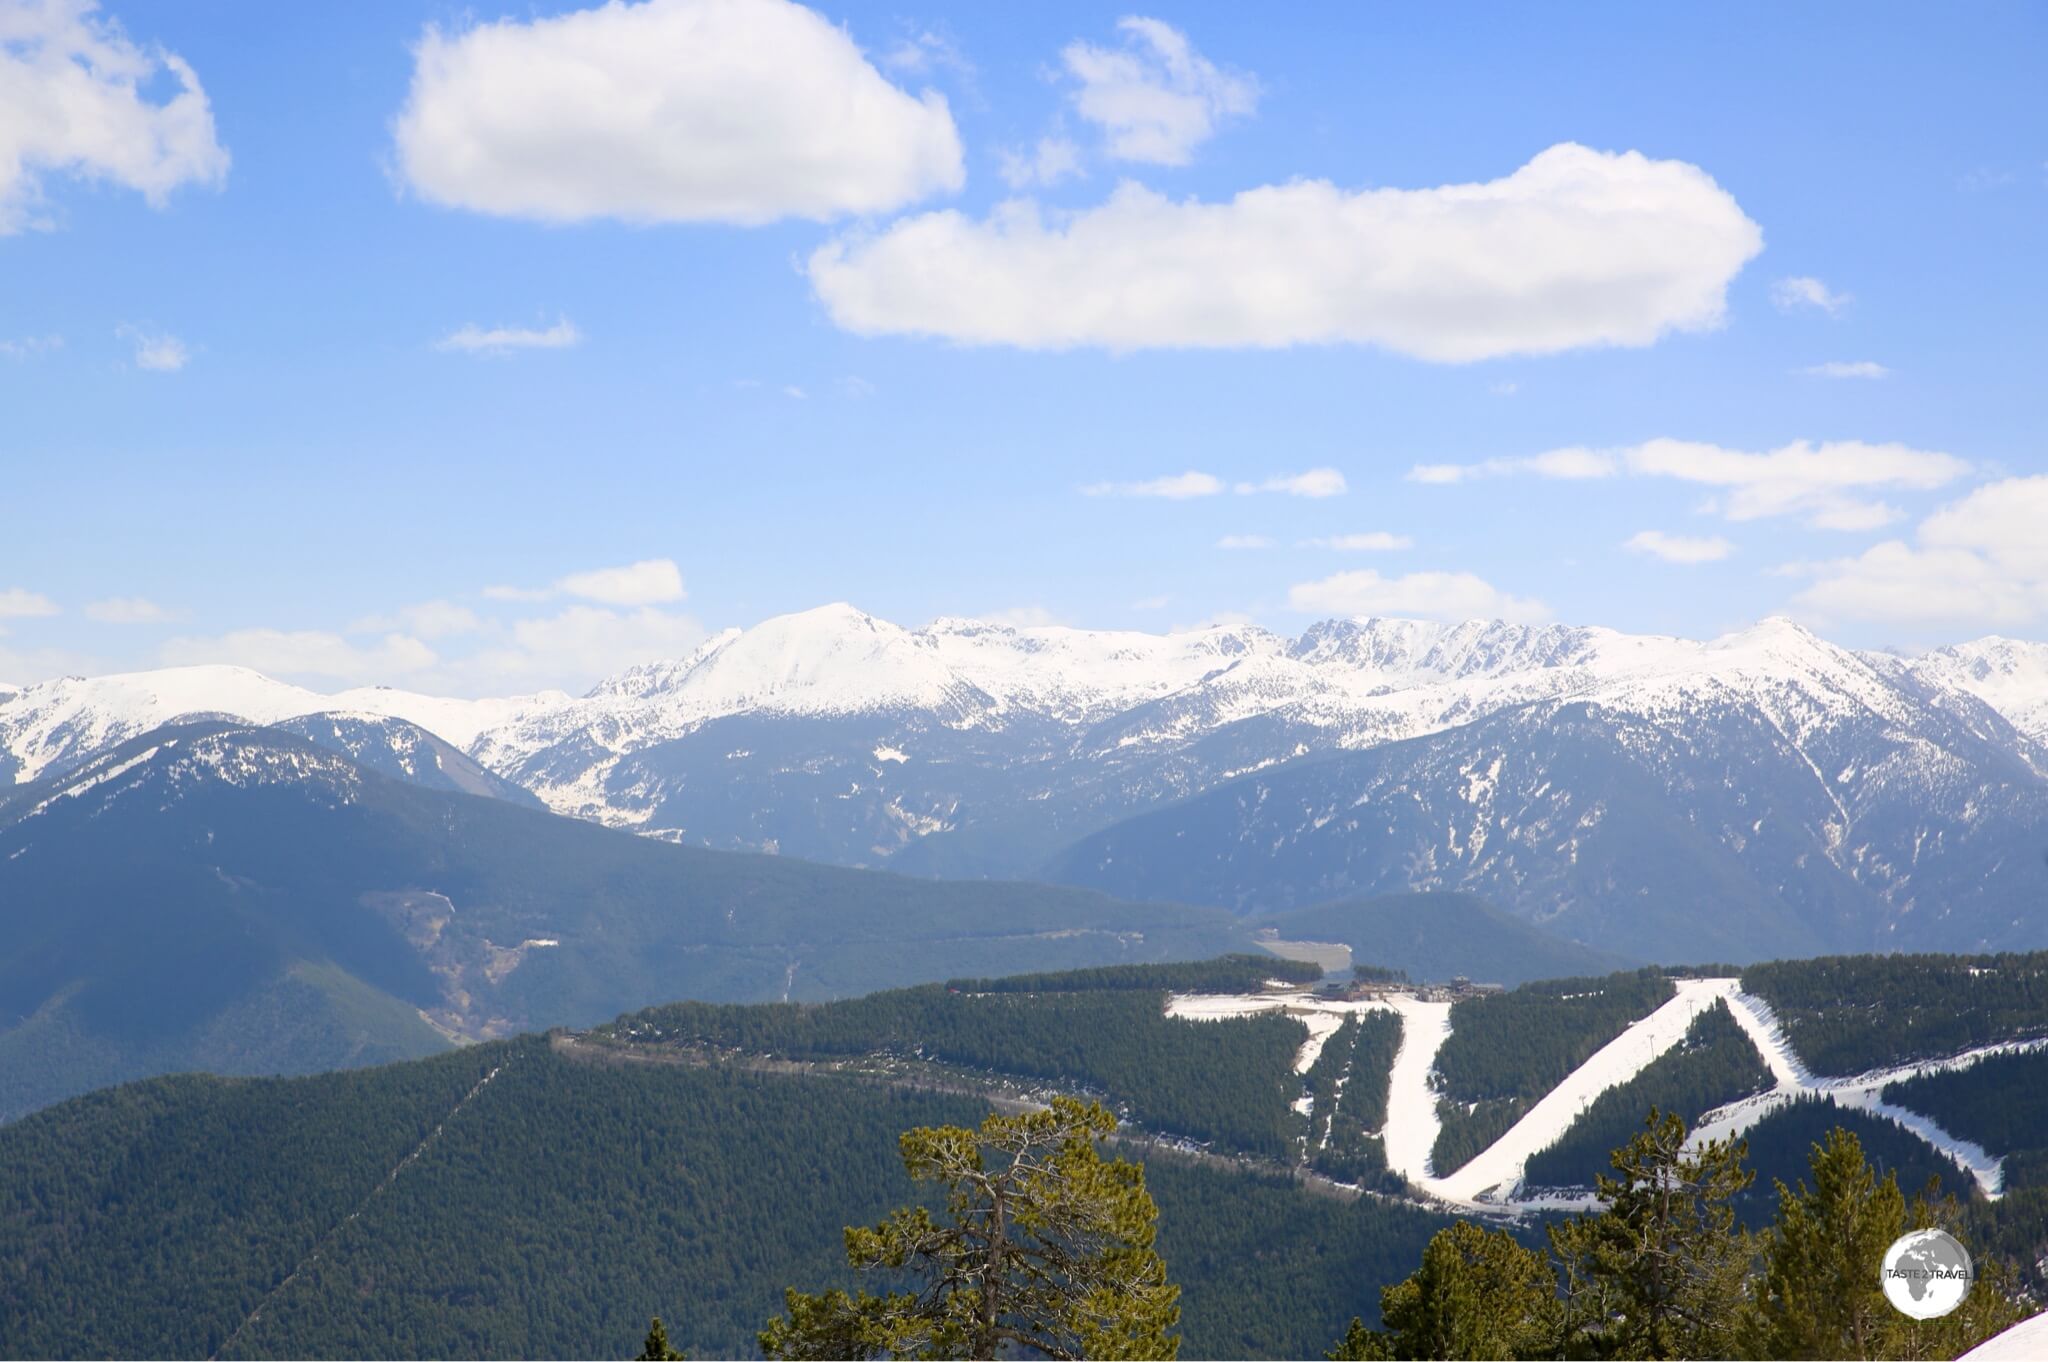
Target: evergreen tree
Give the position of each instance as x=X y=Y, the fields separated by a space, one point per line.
x=1045 y=1248
x=657 y=1348
x=1662 y=1271
x=1820 y=1295
x=1478 y=1294
x=1360 y=1344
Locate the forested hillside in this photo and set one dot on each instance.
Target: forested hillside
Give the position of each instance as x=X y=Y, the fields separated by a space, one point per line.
x=550 y=1211
x=1846 y=1014
x=276 y=906
x=1230 y=1082
x=1715 y=1064
x=1508 y=1049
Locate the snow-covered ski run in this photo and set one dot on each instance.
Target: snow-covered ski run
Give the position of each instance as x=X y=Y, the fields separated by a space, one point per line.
x=1493 y=1179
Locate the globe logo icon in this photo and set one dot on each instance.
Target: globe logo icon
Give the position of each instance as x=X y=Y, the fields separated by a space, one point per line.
x=1926 y=1274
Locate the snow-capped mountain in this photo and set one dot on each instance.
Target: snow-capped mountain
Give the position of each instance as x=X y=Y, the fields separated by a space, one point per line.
x=49 y=726
x=1766 y=793
x=2009 y=675
x=1843 y=788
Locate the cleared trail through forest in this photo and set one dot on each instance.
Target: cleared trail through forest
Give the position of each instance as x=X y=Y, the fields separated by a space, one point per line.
x=320 y=1246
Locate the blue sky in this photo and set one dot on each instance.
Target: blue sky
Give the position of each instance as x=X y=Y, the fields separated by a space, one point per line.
x=237 y=421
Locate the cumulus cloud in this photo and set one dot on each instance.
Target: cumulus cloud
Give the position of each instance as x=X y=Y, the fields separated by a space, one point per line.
x=1052 y=160
x=1154 y=97
x=72 y=103
x=19 y=603
x=652 y=581
x=476 y=340
x=128 y=610
x=1804 y=293
x=1244 y=541
x=1426 y=595
x=739 y=111
x=571 y=649
x=1827 y=483
x=158 y=351
x=1577 y=248
x=305 y=653
x=1377 y=541
x=1854 y=368
x=1316 y=483
x=1978 y=562
x=1678 y=548
x=1178 y=487
x=428 y=619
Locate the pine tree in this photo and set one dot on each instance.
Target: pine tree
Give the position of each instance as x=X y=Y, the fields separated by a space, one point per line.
x=1478 y=1294
x=1820 y=1295
x=1360 y=1344
x=1045 y=1248
x=1662 y=1271
x=657 y=1348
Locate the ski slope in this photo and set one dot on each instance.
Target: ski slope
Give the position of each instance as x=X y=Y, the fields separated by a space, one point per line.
x=1493 y=1178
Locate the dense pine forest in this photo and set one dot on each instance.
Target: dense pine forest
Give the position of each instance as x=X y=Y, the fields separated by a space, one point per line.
x=553 y=1213
x=1507 y=1049
x=1347 y=1088
x=1848 y=1014
x=1226 y=1082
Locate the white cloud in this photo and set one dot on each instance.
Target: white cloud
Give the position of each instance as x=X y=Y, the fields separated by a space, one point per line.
x=128 y=610
x=571 y=649
x=1678 y=548
x=1826 y=483
x=1823 y=482
x=1981 y=562
x=1577 y=248
x=1427 y=595
x=1854 y=368
x=19 y=603
x=1178 y=487
x=1052 y=160
x=652 y=581
x=28 y=347
x=1020 y=617
x=1155 y=98
x=740 y=111
x=1244 y=541
x=476 y=340
x=1316 y=483
x=72 y=103
x=307 y=653
x=428 y=619
x=1377 y=541
x=1803 y=291
x=1572 y=464
x=158 y=351
x=2003 y=520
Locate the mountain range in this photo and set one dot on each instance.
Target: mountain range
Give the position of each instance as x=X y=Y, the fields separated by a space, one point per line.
x=250 y=900
x=1765 y=793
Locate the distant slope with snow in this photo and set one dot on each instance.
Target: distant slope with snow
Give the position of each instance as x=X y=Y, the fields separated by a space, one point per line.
x=54 y=724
